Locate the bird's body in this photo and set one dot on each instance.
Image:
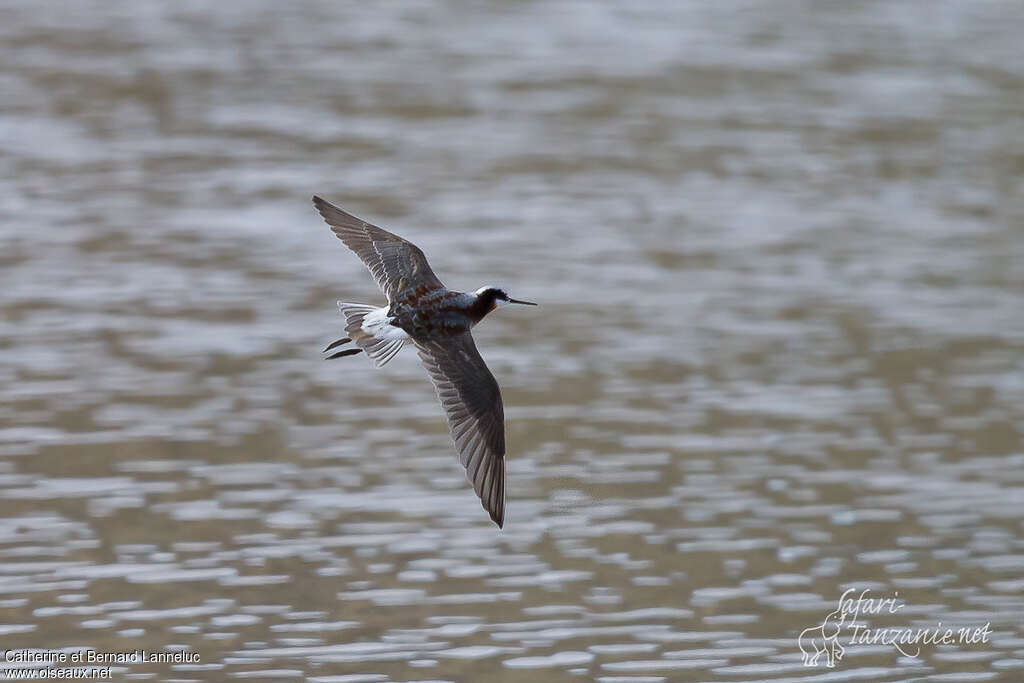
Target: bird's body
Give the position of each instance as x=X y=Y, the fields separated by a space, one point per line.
x=437 y=320
x=435 y=314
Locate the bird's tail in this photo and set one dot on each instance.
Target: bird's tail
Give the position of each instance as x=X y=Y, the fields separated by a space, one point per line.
x=381 y=341
x=354 y=315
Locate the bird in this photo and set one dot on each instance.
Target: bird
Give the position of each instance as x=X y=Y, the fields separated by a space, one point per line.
x=423 y=312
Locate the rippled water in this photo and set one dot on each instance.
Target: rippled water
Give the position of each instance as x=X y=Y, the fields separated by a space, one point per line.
x=779 y=253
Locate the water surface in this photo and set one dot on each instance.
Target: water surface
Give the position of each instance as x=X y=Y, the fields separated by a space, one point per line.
x=778 y=252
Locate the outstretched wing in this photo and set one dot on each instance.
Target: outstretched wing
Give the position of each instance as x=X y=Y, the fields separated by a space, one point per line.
x=472 y=402
x=395 y=263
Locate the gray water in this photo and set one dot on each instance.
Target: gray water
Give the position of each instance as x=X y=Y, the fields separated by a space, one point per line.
x=779 y=256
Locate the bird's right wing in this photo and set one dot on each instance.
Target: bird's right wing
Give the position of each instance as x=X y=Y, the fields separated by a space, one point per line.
x=472 y=402
x=396 y=264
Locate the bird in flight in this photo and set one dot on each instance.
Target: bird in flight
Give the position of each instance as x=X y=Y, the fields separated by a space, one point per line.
x=423 y=312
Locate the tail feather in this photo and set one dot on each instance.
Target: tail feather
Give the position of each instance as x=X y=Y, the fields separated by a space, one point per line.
x=354 y=314
x=380 y=349
x=342 y=354
x=335 y=344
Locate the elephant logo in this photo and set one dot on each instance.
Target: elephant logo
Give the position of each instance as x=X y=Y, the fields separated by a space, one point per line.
x=823 y=640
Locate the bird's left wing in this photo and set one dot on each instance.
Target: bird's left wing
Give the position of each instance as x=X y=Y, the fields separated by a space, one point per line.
x=396 y=264
x=472 y=402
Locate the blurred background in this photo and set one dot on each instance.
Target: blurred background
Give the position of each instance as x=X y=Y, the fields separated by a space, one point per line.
x=779 y=256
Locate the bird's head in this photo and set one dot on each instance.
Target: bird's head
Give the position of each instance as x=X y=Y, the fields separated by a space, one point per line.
x=494 y=297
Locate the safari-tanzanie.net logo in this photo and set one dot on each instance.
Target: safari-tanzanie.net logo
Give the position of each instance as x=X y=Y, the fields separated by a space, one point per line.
x=844 y=626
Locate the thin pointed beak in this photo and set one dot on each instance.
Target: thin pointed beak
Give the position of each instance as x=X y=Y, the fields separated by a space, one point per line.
x=525 y=303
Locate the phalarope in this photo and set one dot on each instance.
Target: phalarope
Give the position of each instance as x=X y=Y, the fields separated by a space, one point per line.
x=437 y=320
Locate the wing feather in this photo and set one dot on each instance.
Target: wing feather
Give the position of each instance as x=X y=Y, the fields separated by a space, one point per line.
x=396 y=264
x=476 y=417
